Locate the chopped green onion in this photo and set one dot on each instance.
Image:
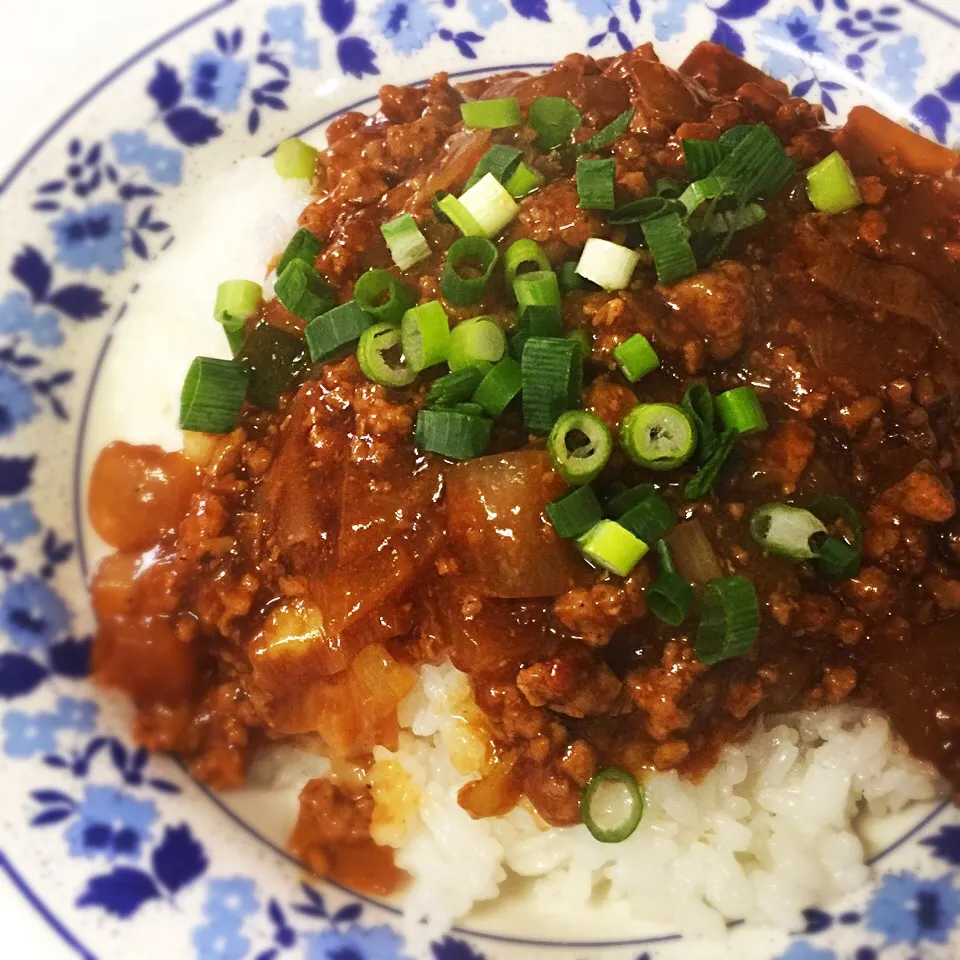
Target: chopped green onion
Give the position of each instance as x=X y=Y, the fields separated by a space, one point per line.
x=521 y=253
x=457 y=436
x=583 y=341
x=624 y=497
x=650 y=519
x=838 y=557
x=729 y=620
x=499 y=160
x=295 y=160
x=499 y=387
x=734 y=135
x=698 y=403
x=535 y=320
x=383 y=296
x=831 y=185
x=758 y=166
x=375 y=343
x=701 y=156
x=732 y=221
x=740 y=410
x=658 y=436
x=574 y=513
x=609 y=265
x=612 y=547
x=524 y=180
x=337 y=328
x=579 y=446
x=709 y=188
x=568 y=278
x=491 y=114
x=489 y=205
x=603 y=138
x=460 y=216
x=611 y=805
x=304 y=246
x=275 y=360
x=537 y=288
x=425 y=333
x=237 y=302
x=476 y=343
x=454 y=388
x=303 y=291
x=668 y=188
x=553 y=119
x=595 y=183
x=785 y=530
x=646 y=208
x=552 y=375
x=469 y=408
x=670 y=598
x=406 y=243
x=212 y=395
x=667 y=241
x=635 y=357
x=458 y=289
x=703 y=480
x=435 y=206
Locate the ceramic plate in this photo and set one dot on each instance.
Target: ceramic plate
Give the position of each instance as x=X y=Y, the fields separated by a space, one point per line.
x=122 y=854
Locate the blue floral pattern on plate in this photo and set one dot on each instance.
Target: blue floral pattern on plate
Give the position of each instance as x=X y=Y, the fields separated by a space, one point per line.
x=138 y=855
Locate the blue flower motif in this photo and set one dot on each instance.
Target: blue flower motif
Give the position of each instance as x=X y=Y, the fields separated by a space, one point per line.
x=31 y=613
x=18 y=522
x=907 y=909
x=591 y=9
x=487 y=12
x=286 y=23
x=791 y=32
x=220 y=940
x=91 y=238
x=17 y=405
x=306 y=54
x=27 y=735
x=110 y=824
x=802 y=950
x=232 y=898
x=79 y=715
x=671 y=20
x=218 y=80
x=902 y=60
x=407 y=24
x=377 y=943
x=163 y=164
x=17 y=316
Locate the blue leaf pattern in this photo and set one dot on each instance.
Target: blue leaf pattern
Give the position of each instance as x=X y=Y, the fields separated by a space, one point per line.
x=121 y=893
x=32 y=271
x=933 y=112
x=19 y=675
x=532 y=9
x=179 y=860
x=338 y=14
x=165 y=88
x=191 y=127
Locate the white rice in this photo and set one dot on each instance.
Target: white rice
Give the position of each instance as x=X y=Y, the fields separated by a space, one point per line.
x=769 y=831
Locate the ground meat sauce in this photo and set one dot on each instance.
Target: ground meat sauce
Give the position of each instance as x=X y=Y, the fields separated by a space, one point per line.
x=286 y=580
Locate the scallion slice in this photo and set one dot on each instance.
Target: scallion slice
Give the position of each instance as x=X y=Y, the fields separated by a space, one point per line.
x=489 y=204
x=500 y=160
x=454 y=388
x=609 y=265
x=406 y=243
x=295 y=160
x=303 y=291
x=610 y=546
x=477 y=252
x=709 y=188
x=605 y=137
x=375 y=344
x=669 y=598
x=499 y=387
x=785 y=530
x=460 y=216
x=658 y=436
x=552 y=375
x=611 y=805
x=758 y=166
x=595 y=183
x=520 y=254
x=237 y=301
x=621 y=498
x=574 y=513
x=213 y=393
x=635 y=357
x=668 y=188
x=740 y=411
x=831 y=185
x=672 y=254
x=732 y=221
x=650 y=518
x=646 y=208
x=535 y=320
x=425 y=333
x=476 y=343
x=457 y=436
x=701 y=483
x=538 y=288
x=275 y=360
x=524 y=180
x=303 y=246
x=469 y=408
x=491 y=114
x=701 y=156
x=553 y=119
x=383 y=296
x=337 y=328
x=568 y=277
x=698 y=402
x=839 y=556
x=579 y=445
x=729 y=620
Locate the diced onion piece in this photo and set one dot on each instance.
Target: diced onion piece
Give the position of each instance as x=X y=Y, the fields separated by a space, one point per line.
x=489 y=205
x=425 y=332
x=831 y=185
x=611 y=805
x=579 y=462
x=658 y=436
x=785 y=530
x=213 y=393
x=295 y=160
x=406 y=243
x=491 y=114
x=476 y=343
x=575 y=513
x=635 y=357
x=612 y=547
x=729 y=620
x=452 y=434
x=609 y=265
